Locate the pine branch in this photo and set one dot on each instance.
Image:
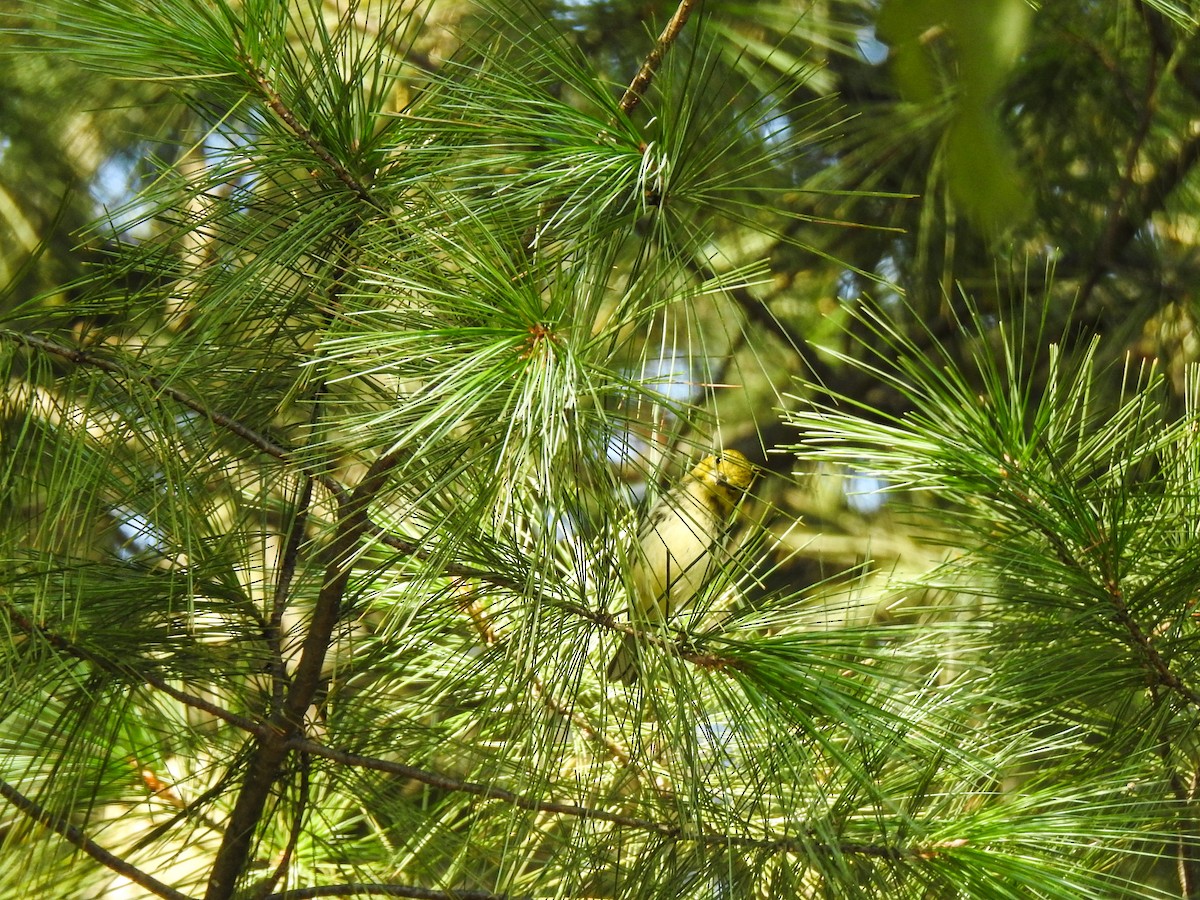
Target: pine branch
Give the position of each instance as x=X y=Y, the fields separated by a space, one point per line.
x=1159 y=29
x=75 y=836
x=666 y=830
x=645 y=75
x=353 y=526
x=1159 y=671
x=285 y=573
x=297 y=829
x=1127 y=217
x=492 y=638
x=292 y=121
x=387 y=890
x=488 y=792
x=24 y=624
x=271 y=735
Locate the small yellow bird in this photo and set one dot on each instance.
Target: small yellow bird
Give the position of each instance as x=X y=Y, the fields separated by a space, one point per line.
x=679 y=546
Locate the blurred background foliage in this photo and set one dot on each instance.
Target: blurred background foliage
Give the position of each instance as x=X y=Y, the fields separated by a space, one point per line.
x=826 y=190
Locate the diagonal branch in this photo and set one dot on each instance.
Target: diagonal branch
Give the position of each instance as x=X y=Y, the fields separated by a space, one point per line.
x=120 y=372
x=58 y=642
x=1118 y=230
x=291 y=120
x=1159 y=29
x=285 y=858
x=1129 y=213
x=385 y=890
x=486 y=791
x=633 y=94
x=75 y=836
x=285 y=573
x=255 y=439
x=1158 y=670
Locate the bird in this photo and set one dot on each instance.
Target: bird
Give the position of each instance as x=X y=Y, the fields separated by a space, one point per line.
x=680 y=545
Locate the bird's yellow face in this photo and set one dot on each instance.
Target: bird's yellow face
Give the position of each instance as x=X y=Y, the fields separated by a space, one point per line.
x=728 y=474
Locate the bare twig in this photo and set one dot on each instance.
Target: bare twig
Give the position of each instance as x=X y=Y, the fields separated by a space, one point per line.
x=24 y=624
x=75 y=836
x=385 y=890
x=285 y=573
x=489 y=792
x=285 y=858
x=633 y=94
x=492 y=638
x=298 y=128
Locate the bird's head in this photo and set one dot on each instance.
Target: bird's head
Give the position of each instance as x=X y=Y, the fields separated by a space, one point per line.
x=729 y=473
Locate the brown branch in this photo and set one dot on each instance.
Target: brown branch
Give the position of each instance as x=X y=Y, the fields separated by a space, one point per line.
x=1159 y=671
x=1187 y=870
x=1158 y=190
x=75 y=836
x=287 y=723
x=1125 y=218
x=645 y=75
x=285 y=858
x=285 y=573
x=665 y=644
x=1186 y=855
x=249 y=435
x=235 y=427
x=120 y=373
x=384 y=890
x=292 y=121
x=488 y=792
x=666 y=830
x=1159 y=29
x=585 y=726
x=24 y=624
x=1145 y=646
x=274 y=737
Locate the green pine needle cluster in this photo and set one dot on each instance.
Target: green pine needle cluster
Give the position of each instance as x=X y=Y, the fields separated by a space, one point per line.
x=320 y=490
